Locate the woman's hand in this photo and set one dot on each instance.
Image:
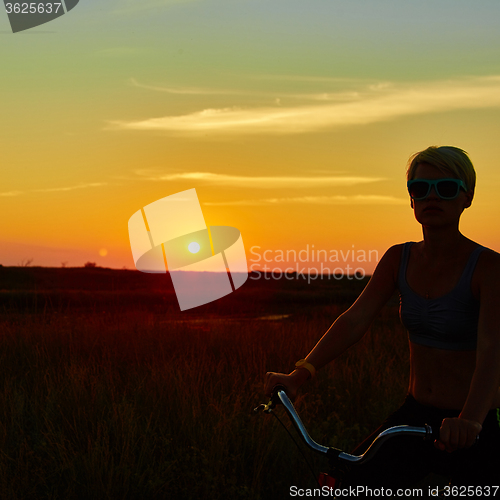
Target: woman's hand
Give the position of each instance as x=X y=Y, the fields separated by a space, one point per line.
x=290 y=382
x=457 y=433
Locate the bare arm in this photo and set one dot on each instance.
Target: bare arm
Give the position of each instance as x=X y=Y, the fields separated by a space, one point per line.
x=349 y=327
x=461 y=432
x=486 y=379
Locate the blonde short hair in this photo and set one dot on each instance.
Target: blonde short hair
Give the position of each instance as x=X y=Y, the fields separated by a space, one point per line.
x=447 y=159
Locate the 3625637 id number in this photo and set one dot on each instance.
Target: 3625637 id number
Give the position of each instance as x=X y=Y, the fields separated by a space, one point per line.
x=471 y=491
x=32 y=8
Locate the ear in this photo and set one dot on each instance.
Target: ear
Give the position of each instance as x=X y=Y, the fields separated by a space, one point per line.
x=469 y=196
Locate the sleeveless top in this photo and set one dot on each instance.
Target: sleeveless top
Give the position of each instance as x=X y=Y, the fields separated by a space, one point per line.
x=447 y=322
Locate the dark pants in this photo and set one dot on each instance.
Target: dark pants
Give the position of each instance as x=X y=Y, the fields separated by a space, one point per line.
x=403 y=461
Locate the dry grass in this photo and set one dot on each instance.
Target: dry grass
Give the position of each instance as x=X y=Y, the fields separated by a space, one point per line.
x=127 y=405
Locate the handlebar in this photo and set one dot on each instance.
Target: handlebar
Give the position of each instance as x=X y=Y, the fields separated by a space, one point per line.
x=279 y=396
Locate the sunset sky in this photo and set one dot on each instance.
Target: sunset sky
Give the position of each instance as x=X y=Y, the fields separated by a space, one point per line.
x=293 y=120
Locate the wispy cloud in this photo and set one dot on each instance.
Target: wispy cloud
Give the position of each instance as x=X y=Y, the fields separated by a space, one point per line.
x=70 y=188
x=185 y=90
x=52 y=190
x=11 y=193
x=376 y=103
x=309 y=79
x=317 y=200
x=273 y=182
x=269 y=95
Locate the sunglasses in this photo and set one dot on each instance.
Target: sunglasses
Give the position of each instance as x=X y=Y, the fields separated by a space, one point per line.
x=446 y=189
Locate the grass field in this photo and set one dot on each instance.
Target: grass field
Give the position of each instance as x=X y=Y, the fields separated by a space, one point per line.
x=108 y=391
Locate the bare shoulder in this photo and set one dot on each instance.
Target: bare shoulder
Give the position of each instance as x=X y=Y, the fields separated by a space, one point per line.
x=390 y=261
x=379 y=289
x=488 y=267
x=394 y=253
x=487 y=276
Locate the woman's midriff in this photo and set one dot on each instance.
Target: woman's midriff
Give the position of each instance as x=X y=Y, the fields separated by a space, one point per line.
x=442 y=378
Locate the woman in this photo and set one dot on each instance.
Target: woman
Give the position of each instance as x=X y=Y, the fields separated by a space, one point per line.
x=450 y=301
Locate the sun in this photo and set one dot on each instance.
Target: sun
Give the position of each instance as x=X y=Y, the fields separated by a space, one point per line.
x=194 y=247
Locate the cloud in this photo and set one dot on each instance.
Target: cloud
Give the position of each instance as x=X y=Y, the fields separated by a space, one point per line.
x=259 y=181
x=189 y=91
x=70 y=188
x=318 y=200
x=376 y=103
x=309 y=79
x=11 y=193
x=52 y=190
x=185 y=90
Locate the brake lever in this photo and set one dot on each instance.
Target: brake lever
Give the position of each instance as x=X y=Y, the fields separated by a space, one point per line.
x=275 y=400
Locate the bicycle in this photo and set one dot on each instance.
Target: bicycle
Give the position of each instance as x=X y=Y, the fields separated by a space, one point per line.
x=331 y=483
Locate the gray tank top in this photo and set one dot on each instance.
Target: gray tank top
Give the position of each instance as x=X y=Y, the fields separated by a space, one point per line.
x=447 y=322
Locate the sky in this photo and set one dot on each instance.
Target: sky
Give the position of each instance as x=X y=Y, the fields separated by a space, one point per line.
x=293 y=120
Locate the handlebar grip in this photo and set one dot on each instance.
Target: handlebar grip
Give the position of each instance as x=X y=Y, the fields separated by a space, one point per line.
x=277 y=388
x=274 y=395
x=434 y=434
